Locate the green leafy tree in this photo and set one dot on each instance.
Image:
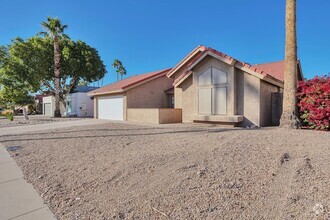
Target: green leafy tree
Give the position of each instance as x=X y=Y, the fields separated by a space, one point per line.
x=120 y=69
x=13 y=96
x=30 y=62
x=13 y=91
x=54 y=28
x=3 y=54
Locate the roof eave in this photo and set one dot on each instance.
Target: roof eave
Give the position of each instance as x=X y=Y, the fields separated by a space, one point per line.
x=107 y=93
x=184 y=60
x=274 y=81
x=210 y=53
x=176 y=84
x=133 y=85
x=241 y=66
x=161 y=74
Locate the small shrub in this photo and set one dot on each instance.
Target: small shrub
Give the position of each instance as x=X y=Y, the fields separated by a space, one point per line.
x=10 y=116
x=314 y=103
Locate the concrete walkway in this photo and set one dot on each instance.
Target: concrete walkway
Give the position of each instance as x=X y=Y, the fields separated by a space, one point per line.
x=18 y=198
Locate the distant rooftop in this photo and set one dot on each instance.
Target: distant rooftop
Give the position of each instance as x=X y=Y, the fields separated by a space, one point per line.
x=84 y=89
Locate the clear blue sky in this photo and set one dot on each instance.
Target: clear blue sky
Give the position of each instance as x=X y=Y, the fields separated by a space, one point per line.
x=149 y=35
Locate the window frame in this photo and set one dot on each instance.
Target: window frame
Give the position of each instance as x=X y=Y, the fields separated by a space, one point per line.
x=212 y=86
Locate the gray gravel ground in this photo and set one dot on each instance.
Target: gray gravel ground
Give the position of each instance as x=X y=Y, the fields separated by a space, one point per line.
x=33 y=120
x=126 y=171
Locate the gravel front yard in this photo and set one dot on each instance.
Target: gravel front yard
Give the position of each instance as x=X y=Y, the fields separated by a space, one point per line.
x=125 y=171
x=33 y=120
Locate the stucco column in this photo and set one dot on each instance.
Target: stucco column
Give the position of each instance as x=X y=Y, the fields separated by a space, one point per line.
x=95 y=107
x=231 y=90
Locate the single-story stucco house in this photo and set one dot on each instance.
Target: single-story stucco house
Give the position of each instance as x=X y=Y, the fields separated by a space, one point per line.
x=78 y=103
x=207 y=86
x=143 y=96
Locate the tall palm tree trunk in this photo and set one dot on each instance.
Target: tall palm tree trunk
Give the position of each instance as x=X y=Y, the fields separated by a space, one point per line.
x=289 y=117
x=57 y=112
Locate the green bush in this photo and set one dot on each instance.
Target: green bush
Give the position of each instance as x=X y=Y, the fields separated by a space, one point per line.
x=10 y=116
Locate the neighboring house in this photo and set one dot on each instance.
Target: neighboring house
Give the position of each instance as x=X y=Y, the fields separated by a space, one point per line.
x=210 y=86
x=205 y=86
x=79 y=104
x=48 y=103
x=38 y=100
x=135 y=98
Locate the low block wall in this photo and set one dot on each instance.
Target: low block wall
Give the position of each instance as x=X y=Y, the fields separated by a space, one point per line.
x=154 y=115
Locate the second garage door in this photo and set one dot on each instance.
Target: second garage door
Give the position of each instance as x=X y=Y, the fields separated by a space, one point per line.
x=47 y=108
x=111 y=108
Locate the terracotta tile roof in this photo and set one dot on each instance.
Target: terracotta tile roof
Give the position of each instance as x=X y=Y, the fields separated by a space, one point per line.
x=199 y=51
x=274 y=69
x=122 y=85
x=277 y=73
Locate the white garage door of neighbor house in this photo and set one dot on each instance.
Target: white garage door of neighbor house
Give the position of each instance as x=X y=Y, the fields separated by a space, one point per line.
x=111 y=108
x=47 y=108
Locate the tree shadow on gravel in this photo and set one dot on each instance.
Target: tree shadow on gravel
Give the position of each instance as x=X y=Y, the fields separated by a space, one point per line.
x=74 y=131
x=126 y=135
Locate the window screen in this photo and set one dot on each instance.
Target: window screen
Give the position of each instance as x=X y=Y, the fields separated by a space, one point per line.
x=205 y=78
x=204 y=101
x=218 y=76
x=219 y=101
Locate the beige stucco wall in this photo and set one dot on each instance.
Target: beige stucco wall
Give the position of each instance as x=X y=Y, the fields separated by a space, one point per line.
x=150 y=94
x=143 y=115
x=266 y=90
x=248 y=98
x=186 y=97
x=247 y=95
x=154 y=115
x=188 y=100
x=170 y=115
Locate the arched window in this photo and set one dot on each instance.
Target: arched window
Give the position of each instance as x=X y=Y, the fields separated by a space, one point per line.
x=212 y=92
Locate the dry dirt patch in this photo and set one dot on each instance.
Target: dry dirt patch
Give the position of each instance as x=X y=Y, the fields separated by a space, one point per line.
x=125 y=171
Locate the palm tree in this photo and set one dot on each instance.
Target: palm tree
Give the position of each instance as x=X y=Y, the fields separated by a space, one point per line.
x=289 y=117
x=120 y=69
x=54 y=28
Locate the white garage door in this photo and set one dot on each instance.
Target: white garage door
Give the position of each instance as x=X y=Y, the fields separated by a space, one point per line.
x=111 y=108
x=47 y=108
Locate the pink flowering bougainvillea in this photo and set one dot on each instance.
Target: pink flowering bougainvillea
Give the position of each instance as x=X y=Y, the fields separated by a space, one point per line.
x=314 y=102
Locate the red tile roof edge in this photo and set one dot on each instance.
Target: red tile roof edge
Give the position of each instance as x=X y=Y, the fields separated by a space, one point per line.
x=150 y=75
x=253 y=68
x=159 y=74
x=199 y=47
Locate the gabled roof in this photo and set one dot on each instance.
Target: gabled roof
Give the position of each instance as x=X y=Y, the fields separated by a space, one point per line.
x=126 y=84
x=271 y=72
